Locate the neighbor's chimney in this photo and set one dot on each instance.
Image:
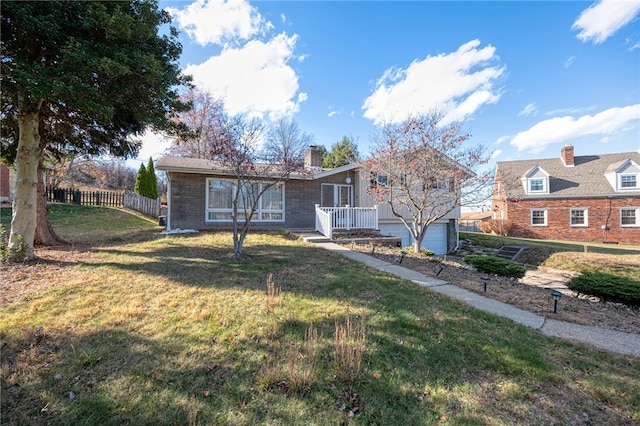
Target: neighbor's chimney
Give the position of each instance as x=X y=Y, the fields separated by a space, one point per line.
x=567 y=155
x=313 y=157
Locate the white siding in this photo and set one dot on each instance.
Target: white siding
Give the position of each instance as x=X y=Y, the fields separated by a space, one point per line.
x=435 y=240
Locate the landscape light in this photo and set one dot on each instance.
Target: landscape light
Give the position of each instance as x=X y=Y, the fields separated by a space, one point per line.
x=485 y=280
x=556 y=295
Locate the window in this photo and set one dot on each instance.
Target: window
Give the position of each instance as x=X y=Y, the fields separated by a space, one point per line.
x=579 y=217
x=220 y=194
x=538 y=217
x=377 y=179
x=629 y=216
x=536 y=185
x=628 y=181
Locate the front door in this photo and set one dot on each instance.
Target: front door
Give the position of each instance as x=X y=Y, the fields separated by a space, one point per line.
x=336 y=195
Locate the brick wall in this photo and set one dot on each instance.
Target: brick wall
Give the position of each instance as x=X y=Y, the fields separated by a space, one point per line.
x=301 y=196
x=601 y=212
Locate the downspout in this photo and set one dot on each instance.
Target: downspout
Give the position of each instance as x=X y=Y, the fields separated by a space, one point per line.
x=168 y=218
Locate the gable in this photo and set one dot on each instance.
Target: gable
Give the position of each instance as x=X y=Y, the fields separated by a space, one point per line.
x=590 y=175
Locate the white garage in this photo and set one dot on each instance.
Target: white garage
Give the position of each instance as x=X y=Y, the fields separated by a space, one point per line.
x=435 y=240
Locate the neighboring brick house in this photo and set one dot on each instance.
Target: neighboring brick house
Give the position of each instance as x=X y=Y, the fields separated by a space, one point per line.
x=199 y=197
x=594 y=198
x=6 y=187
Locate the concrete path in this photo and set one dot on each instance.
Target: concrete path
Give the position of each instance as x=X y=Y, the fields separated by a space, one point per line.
x=609 y=340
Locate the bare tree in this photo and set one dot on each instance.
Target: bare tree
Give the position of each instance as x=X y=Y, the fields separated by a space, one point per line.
x=238 y=150
x=422 y=169
x=286 y=142
x=203 y=121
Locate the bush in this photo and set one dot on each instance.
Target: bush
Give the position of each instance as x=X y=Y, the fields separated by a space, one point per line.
x=495 y=265
x=423 y=251
x=498 y=227
x=607 y=287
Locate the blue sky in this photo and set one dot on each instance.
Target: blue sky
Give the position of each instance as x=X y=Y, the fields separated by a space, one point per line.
x=526 y=78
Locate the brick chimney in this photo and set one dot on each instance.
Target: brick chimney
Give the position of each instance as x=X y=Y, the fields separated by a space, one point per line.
x=567 y=155
x=313 y=157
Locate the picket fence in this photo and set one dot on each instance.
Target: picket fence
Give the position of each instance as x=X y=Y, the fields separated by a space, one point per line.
x=85 y=198
x=129 y=200
x=144 y=205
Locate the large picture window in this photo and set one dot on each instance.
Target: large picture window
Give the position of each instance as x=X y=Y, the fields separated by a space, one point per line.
x=219 y=201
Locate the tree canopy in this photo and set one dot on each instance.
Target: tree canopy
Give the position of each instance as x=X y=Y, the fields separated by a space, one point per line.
x=81 y=77
x=342 y=153
x=422 y=168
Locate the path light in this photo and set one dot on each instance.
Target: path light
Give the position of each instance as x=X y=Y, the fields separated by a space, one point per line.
x=485 y=280
x=402 y=255
x=556 y=296
x=443 y=266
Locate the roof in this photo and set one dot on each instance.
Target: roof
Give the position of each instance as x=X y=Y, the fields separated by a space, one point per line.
x=475 y=215
x=586 y=178
x=209 y=167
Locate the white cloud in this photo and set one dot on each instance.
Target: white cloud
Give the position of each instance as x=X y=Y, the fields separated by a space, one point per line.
x=531 y=109
x=457 y=83
x=569 y=61
x=562 y=129
x=503 y=139
x=496 y=153
x=255 y=79
x=219 y=21
x=579 y=110
x=601 y=20
x=332 y=113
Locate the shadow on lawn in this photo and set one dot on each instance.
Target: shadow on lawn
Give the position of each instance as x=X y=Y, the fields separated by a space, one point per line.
x=115 y=377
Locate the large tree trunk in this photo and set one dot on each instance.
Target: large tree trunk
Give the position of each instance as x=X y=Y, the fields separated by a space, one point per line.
x=44 y=236
x=23 y=222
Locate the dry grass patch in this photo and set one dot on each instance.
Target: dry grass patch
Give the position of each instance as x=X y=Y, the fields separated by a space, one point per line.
x=349 y=346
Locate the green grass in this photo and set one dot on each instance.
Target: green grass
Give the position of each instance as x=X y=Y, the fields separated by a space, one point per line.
x=174 y=331
x=572 y=256
x=93 y=224
x=496 y=241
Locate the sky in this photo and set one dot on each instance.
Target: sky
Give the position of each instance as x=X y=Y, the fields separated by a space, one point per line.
x=524 y=78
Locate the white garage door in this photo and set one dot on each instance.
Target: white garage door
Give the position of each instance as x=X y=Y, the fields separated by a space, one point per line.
x=435 y=240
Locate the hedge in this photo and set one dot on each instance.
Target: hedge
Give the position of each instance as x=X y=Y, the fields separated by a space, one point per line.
x=495 y=265
x=611 y=288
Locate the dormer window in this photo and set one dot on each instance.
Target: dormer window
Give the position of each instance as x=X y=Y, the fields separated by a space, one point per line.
x=536 y=181
x=536 y=185
x=628 y=181
x=623 y=176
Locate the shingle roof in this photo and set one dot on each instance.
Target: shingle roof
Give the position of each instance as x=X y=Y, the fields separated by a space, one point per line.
x=209 y=167
x=586 y=178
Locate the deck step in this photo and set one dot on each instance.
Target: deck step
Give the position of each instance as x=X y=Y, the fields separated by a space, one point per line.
x=510 y=252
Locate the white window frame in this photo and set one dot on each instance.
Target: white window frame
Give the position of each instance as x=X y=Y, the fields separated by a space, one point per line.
x=636 y=211
x=586 y=217
x=628 y=175
x=258 y=214
x=544 y=185
x=545 y=217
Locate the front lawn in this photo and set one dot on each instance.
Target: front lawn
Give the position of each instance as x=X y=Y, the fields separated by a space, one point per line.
x=174 y=331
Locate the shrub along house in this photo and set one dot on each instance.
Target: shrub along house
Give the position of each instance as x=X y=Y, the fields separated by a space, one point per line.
x=594 y=198
x=199 y=194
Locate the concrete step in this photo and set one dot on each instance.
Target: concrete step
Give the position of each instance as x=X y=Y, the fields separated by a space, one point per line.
x=510 y=252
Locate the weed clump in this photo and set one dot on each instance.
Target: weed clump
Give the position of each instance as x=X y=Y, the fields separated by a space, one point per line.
x=495 y=265
x=348 y=348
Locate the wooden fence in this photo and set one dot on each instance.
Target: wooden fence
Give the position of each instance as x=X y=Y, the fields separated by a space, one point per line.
x=129 y=200
x=144 y=205
x=85 y=198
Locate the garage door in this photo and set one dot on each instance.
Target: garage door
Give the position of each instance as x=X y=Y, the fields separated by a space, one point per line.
x=435 y=240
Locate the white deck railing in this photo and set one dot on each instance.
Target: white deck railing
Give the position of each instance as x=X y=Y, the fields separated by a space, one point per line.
x=330 y=218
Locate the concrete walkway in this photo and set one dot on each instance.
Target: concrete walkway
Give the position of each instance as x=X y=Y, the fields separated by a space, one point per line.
x=609 y=340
